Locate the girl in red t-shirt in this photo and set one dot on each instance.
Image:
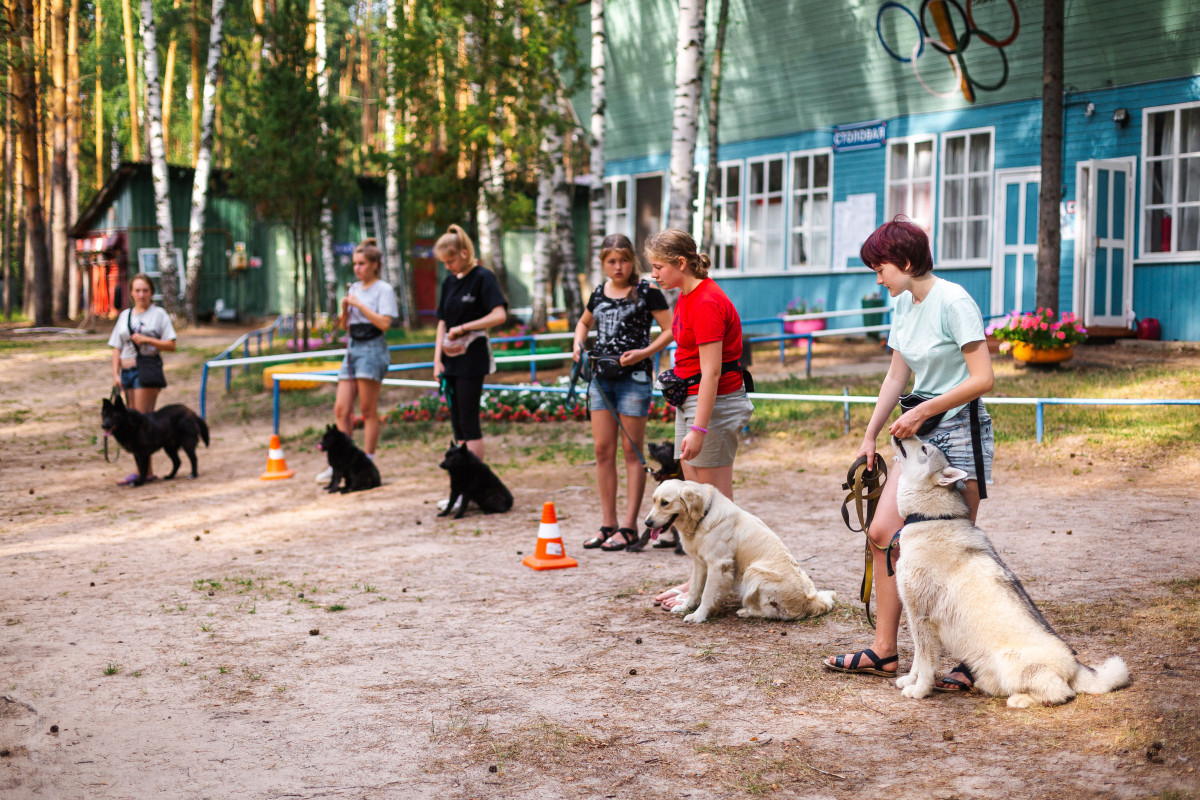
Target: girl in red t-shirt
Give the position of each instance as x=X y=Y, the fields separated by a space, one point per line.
x=708 y=333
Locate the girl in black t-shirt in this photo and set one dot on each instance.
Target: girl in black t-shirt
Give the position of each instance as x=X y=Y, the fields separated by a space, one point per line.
x=470 y=303
x=622 y=309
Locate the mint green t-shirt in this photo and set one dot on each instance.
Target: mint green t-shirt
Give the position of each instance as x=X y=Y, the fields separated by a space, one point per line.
x=930 y=336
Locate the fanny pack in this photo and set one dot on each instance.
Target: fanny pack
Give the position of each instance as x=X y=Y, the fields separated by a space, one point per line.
x=675 y=388
x=607 y=367
x=364 y=331
x=910 y=401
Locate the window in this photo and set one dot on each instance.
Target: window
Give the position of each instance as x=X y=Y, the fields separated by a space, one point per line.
x=765 y=222
x=727 y=217
x=811 y=182
x=148 y=265
x=966 y=198
x=1171 y=195
x=616 y=206
x=910 y=181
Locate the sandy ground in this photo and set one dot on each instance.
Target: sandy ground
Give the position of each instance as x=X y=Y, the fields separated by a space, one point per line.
x=229 y=637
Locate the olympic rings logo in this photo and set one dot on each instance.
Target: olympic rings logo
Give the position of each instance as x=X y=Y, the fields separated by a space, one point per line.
x=944 y=38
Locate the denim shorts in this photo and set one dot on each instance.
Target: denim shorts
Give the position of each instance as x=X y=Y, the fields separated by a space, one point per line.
x=631 y=394
x=367 y=360
x=953 y=437
x=731 y=412
x=129 y=379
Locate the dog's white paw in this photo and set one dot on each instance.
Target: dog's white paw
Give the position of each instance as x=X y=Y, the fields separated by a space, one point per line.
x=904 y=681
x=917 y=691
x=744 y=612
x=1020 y=701
x=696 y=616
x=682 y=607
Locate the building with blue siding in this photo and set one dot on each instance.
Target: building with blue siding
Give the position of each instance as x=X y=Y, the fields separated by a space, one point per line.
x=837 y=116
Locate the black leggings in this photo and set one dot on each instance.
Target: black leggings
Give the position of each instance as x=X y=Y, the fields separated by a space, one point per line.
x=464 y=407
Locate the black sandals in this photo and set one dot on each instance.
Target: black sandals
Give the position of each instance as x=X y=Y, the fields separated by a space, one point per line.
x=606 y=533
x=628 y=536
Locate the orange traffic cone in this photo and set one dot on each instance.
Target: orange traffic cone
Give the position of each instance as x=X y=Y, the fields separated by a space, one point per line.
x=276 y=464
x=549 y=553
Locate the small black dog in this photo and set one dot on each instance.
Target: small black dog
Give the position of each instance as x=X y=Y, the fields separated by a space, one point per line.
x=168 y=429
x=473 y=480
x=348 y=463
x=668 y=469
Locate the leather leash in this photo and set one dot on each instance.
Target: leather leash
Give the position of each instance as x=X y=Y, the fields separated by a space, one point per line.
x=864 y=486
x=113 y=397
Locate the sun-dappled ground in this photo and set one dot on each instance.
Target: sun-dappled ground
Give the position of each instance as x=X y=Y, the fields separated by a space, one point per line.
x=229 y=637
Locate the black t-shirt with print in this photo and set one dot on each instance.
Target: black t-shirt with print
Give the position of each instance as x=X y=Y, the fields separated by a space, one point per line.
x=464 y=300
x=624 y=324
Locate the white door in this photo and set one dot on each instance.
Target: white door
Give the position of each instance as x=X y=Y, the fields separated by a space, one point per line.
x=1104 y=242
x=1014 y=262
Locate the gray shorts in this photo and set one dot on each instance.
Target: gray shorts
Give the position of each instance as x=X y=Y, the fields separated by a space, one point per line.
x=953 y=437
x=367 y=360
x=731 y=413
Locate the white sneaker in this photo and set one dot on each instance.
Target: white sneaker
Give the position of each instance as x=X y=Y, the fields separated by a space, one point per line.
x=441 y=504
x=325 y=475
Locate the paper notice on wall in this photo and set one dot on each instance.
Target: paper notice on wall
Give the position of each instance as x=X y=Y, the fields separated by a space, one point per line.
x=853 y=221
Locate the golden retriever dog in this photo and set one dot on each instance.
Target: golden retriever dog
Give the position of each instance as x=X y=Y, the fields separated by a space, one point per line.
x=732 y=548
x=958 y=594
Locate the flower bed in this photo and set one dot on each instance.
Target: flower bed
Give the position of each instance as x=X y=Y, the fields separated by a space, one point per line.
x=1038 y=329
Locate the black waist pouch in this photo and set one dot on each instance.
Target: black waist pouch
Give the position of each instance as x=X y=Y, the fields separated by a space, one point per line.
x=675 y=388
x=364 y=331
x=910 y=401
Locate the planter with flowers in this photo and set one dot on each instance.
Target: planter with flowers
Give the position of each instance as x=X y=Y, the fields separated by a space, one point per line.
x=873 y=300
x=1038 y=337
x=801 y=306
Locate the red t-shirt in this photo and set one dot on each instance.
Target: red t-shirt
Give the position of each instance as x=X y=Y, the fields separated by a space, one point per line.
x=706 y=315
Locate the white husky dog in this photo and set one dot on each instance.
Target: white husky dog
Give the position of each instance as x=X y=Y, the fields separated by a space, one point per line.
x=957 y=593
x=731 y=547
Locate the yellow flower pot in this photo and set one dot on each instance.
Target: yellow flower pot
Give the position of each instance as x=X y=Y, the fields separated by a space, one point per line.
x=1023 y=351
x=284 y=369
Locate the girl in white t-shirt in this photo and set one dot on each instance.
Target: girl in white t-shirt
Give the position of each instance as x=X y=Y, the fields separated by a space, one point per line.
x=937 y=337
x=147 y=329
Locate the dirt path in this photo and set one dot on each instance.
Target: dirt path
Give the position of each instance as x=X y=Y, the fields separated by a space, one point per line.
x=185 y=638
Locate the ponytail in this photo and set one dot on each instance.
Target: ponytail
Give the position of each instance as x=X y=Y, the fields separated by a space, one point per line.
x=369 y=247
x=673 y=244
x=455 y=240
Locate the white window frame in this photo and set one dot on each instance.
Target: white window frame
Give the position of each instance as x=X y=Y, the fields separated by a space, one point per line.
x=612 y=212
x=720 y=209
x=766 y=195
x=148 y=265
x=818 y=262
x=1143 y=217
x=986 y=217
x=908 y=181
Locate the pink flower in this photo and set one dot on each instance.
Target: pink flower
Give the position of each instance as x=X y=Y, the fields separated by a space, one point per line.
x=1060 y=334
x=1005 y=347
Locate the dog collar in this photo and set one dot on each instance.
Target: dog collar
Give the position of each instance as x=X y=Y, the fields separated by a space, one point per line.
x=707 y=508
x=911 y=518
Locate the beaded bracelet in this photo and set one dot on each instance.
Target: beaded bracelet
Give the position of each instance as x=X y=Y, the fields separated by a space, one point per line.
x=699 y=429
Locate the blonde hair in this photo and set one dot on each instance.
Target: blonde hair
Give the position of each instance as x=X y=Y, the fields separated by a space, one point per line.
x=674 y=244
x=369 y=247
x=619 y=243
x=455 y=239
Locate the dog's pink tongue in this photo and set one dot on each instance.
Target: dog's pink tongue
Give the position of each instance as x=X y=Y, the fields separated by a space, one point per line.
x=654 y=532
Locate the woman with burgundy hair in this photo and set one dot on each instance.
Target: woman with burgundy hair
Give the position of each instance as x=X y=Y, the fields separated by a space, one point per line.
x=937 y=339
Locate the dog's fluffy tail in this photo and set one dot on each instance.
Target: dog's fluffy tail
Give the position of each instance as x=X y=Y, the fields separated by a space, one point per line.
x=1112 y=674
x=203 y=429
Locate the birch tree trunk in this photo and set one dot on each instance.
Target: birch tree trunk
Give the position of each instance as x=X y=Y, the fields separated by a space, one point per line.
x=74 y=126
x=564 y=229
x=395 y=259
x=135 y=139
x=714 y=128
x=543 y=238
x=689 y=68
x=195 y=251
x=158 y=166
x=491 y=193
x=596 y=164
x=1049 y=249
x=58 y=169
x=325 y=232
x=21 y=20
x=195 y=84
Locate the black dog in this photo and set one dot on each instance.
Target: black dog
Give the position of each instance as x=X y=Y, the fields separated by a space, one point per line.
x=348 y=463
x=473 y=480
x=168 y=429
x=668 y=469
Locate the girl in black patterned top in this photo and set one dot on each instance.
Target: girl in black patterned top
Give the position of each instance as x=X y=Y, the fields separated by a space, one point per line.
x=622 y=309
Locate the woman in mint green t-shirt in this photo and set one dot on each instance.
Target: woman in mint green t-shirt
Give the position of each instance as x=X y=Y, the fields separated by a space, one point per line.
x=937 y=339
